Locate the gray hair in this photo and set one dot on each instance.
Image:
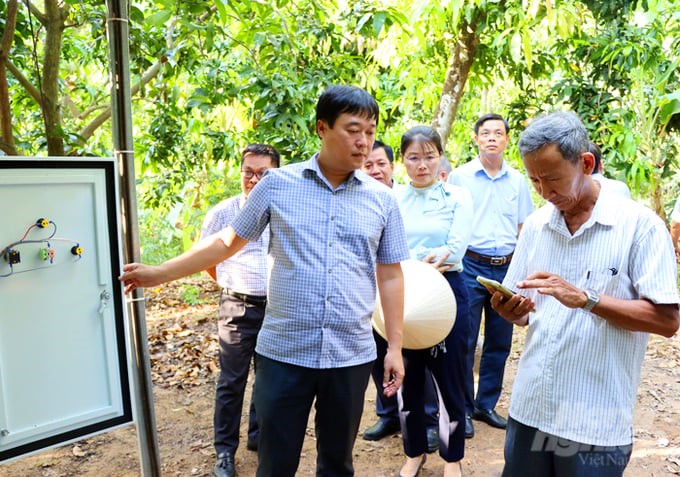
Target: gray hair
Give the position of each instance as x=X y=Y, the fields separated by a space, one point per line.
x=562 y=128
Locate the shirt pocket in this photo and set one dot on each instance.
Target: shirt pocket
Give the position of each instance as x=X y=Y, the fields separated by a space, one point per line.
x=508 y=205
x=602 y=280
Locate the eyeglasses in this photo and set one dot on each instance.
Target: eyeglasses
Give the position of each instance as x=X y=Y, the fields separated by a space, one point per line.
x=249 y=174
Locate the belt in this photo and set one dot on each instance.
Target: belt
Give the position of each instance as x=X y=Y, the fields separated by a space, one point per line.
x=491 y=260
x=255 y=300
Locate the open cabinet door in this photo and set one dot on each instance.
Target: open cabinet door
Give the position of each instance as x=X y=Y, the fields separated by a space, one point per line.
x=64 y=361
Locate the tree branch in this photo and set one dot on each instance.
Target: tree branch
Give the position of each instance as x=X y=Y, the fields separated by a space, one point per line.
x=6 y=134
x=91 y=127
x=40 y=16
x=32 y=91
x=462 y=56
x=90 y=110
x=54 y=29
x=8 y=149
x=70 y=105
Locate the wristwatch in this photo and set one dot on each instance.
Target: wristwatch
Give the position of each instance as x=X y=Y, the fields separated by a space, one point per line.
x=592 y=299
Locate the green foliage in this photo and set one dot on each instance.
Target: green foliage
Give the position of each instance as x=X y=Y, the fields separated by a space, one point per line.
x=261 y=68
x=621 y=80
x=190 y=294
x=215 y=76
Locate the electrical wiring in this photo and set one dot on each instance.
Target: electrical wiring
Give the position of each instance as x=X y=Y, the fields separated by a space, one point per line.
x=12 y=254
x=47 y=267
x=40 y=224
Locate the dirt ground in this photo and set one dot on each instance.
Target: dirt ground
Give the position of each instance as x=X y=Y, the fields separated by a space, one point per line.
x=183 y=344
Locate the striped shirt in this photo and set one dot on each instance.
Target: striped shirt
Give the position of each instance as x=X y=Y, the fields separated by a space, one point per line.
x=612 y=186
x=578 y=374
x=325 y=243
x=437 y=219
x=246 y=271
x=675 y=215
x=501 y=204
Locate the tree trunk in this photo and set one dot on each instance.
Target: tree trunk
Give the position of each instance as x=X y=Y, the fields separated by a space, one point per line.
x=657 y=202
x=6 y=135
x=462 y=57
x=55 y=18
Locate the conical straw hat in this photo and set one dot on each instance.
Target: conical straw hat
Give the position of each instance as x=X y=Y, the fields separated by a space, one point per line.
x=429 y=306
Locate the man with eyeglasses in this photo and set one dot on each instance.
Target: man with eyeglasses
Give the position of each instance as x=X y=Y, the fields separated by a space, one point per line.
x=243 y=279
x=501 y=203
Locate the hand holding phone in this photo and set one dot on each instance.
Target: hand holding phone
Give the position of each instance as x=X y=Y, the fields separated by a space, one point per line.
x=495 y=286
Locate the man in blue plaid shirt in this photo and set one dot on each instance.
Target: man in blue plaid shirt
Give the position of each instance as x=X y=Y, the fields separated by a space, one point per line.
x=336 y=233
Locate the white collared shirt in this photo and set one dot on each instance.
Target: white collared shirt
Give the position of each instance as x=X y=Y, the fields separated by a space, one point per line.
x=246 y=271
x=612 y=186
x=578 y=374
x=501 y=204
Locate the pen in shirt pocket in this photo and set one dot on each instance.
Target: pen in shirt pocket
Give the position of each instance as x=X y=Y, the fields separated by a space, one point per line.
x=610 y=272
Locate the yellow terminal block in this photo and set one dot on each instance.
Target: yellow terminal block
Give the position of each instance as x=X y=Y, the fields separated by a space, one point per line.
x=77 y=250
x=42 y=223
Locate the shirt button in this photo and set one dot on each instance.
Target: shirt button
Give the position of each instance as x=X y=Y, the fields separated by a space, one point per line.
x=330 y=244
x=330 y=271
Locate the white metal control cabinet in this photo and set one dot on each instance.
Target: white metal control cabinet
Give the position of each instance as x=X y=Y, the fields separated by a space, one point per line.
x=64 y=371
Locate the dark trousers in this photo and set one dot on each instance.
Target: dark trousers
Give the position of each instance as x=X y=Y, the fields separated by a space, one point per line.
x=238 y=325
x=283 y=399
x=497 y=337
x=532 y=453
x=386 y=407
x=447 y=363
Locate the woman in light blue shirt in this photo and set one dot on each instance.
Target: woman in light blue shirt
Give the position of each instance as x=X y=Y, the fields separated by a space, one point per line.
x=437 y=217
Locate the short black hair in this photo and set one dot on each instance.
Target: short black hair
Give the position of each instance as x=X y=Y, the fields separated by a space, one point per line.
x=339 y=99
x=262 y=150
x=388 y=150
x=595 y=150
x=421 y=134
x=492 y=117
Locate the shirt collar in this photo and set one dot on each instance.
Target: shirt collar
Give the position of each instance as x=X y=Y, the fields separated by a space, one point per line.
x=601 y=214
x=479 y=169
x=438 y=186
x=356 y=176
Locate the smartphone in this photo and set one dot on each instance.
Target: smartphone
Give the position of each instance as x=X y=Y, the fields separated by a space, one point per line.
x=494 y=285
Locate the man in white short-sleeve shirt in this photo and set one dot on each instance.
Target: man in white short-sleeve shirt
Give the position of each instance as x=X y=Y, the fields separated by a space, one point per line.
x=594 y=277
x=675 y=228
x=608 y=185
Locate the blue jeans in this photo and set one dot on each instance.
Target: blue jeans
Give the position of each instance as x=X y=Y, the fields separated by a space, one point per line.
x=532 y=453
x=497 y=337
